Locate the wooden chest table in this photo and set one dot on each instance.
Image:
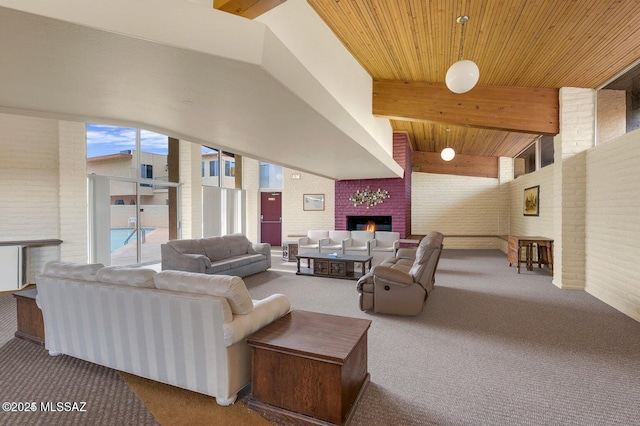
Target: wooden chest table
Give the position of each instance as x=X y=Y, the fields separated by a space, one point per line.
x=30 y=322
x=309 y=368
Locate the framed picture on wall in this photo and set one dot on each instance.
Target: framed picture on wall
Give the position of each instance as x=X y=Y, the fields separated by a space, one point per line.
x=313 y=202
x=531 y=202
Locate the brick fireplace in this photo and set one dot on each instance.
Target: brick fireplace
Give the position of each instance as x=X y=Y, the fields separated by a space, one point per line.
x=397 y=207
x=369 y=223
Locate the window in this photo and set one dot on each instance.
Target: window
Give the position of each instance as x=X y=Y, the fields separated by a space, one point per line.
x=146 y=172
x=229 y=168
x=270 y=176
x=537 y=155
x=214 y=168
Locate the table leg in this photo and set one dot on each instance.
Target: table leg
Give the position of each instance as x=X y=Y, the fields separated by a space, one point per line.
x=519 y=255
x=298 y=265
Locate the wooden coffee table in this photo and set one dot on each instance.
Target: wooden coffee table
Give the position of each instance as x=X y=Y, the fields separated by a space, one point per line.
x=340 y=266
x=309 y=368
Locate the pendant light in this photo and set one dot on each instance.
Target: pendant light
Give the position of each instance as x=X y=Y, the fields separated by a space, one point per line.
x=464 y=74
x=448 y=153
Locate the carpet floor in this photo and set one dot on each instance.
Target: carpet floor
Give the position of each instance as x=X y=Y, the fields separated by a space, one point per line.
x=491 y=348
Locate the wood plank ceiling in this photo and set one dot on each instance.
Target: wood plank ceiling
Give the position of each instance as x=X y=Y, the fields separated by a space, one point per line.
x=546 y=44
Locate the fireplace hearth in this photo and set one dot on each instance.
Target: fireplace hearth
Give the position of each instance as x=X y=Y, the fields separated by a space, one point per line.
x=369 y=223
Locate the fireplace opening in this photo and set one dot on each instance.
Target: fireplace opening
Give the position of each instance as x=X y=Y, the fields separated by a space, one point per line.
x=368 y=223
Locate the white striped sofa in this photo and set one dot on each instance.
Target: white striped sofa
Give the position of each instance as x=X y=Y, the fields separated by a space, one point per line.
x=184 y=329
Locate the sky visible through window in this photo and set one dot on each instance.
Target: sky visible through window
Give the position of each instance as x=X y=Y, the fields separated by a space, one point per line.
x=105 y=140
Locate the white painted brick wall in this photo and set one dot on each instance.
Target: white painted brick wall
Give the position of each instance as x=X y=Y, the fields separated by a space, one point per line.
x=542 y=225
x=251 y=184
x=29 y=176
x=577 y=134
x=456 y=205
x=73 y=191
x=296 y=221
x=612 y=223
x=191 y=189
x=505 y=176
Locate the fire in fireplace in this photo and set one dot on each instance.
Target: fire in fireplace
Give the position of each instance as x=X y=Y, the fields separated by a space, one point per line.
x=369 y=223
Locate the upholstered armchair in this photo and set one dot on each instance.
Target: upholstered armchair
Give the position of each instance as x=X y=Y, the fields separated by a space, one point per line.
x=401 y=284
x=334 y=245
x=359 y=243
x=385 y=244
x=311 y=243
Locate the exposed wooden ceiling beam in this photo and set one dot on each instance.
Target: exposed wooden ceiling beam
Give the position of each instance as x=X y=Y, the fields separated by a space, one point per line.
x=517 y=109
x=247 y=8
x=462 y=165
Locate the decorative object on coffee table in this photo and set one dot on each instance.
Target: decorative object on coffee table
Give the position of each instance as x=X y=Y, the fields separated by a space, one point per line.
x=309 y=368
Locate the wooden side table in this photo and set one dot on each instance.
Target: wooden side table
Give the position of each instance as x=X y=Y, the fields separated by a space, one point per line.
x=289 y=251
x=30 y=323
x=309 y=368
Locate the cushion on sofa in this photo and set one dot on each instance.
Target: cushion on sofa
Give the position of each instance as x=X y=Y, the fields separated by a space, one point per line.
x=229 y=287
x=134 y=277
x=191 y=246
x=78 y=271
x=215 y=248
x=218 y=267
x=238 y=244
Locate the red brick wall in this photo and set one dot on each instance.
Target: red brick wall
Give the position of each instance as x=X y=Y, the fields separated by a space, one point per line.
x=398 y=206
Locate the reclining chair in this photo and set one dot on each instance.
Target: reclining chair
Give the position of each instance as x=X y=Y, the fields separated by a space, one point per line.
x=401 y=284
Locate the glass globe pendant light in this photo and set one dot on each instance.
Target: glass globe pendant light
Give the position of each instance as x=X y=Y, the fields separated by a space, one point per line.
x=448 y=153
x=464 y=74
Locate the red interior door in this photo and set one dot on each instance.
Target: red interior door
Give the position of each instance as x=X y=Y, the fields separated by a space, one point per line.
x=271 y=218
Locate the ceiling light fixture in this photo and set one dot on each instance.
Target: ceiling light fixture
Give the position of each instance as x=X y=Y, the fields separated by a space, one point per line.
x=464 y=74
x=448 y=154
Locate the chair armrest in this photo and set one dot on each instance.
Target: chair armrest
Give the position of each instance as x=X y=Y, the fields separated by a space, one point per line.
x=264 y=312
x=303 y=241
x=374 y=243
x=396 y=245
x=347 y=242
x=391 y=275
x=324 y=241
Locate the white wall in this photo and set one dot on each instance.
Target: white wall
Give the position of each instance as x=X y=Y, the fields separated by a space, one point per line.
x=191 y=189
x=542 y=225
x=456 y=205
x=297 y=221
x=613 y=224
x=38 y=201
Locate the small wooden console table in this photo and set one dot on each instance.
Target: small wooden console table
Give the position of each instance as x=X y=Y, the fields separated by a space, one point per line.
x=30 y=322
x=542 y=244
x=309 y=368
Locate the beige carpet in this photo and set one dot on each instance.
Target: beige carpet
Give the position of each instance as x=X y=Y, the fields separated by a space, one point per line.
x=491 y=348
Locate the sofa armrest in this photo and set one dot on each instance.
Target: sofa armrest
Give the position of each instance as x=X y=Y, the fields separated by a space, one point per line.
x=263 y=248
x=264 y=312
x=174 y=260
x=391 y=275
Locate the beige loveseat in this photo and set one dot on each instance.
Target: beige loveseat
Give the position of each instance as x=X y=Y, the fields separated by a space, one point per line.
x=229 y=255
x=184 y=329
